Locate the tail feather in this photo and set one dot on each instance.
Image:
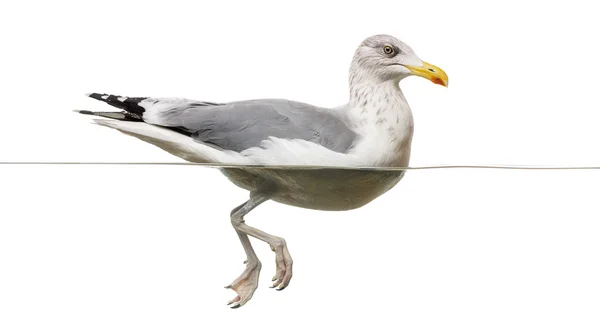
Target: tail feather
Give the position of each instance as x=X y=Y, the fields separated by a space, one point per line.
x=129 y=104
x=170 y=141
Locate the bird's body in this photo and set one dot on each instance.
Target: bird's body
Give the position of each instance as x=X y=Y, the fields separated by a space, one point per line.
x=383 y=128
x=373 y=129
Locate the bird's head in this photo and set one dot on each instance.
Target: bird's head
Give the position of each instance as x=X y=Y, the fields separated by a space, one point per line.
x=384 y=57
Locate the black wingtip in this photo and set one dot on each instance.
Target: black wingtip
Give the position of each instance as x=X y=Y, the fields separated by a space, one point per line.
x=84 y=112
x=118 y=115
x=103 y=97
x=129 y=104
x=95 y=95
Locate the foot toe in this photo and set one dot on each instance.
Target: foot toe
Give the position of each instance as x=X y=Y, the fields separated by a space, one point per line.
x=245 y=285
x=234 y=300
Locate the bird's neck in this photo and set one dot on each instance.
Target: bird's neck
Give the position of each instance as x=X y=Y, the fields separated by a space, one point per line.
x=381 y=104
x=383 y=113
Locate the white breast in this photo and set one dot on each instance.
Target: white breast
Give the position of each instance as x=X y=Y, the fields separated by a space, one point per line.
x=386 y=127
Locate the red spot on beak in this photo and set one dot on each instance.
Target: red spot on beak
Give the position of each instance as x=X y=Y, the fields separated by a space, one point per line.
x=438 y=81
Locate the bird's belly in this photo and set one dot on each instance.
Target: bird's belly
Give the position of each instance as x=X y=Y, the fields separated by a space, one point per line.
x=319 y=189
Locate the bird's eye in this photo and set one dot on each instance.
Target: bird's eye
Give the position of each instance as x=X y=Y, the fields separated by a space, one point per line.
x=388 y=50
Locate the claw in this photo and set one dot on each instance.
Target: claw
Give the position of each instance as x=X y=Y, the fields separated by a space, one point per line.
x=277 y=283
x=236 y=299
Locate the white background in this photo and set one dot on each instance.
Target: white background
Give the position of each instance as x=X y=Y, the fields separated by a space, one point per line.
x=89 y=249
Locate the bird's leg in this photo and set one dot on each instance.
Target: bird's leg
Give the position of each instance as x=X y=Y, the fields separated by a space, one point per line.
x=283 y=260
x=247 y=282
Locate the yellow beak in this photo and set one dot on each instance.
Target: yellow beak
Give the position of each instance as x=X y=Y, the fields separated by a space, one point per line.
x=430 y=72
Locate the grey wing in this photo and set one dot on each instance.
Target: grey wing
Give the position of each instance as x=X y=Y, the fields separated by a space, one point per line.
x=238 y=126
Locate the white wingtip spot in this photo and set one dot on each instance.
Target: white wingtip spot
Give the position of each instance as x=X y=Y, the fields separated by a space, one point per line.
x=104 y=97
x=122 y=98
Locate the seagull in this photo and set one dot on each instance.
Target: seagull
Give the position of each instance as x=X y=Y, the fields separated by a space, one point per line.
x=373 y=129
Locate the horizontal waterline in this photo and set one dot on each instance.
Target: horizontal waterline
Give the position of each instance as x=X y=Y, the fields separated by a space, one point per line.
x=300 y=167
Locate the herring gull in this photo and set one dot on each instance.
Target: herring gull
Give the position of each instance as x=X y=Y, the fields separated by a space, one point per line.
x=374 y=129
